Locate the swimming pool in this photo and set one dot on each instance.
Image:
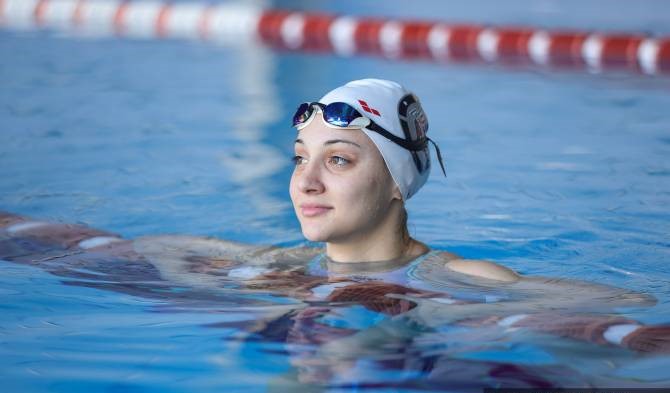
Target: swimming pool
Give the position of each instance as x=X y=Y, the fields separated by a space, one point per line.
x=556 y=174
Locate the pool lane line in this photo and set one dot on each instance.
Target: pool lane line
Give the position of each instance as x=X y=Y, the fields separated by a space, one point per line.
x=346 y=35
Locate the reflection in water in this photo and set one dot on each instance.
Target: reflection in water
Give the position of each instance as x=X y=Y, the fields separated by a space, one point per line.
x=258 y=109
x=350 y=331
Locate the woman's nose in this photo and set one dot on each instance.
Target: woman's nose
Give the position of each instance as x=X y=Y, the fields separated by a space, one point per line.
x=310 y=181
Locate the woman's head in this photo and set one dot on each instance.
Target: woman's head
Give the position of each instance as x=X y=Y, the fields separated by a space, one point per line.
x=361 y=151
x=340 y=188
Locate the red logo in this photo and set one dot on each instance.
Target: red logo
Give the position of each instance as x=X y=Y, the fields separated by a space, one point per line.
x=368 y=109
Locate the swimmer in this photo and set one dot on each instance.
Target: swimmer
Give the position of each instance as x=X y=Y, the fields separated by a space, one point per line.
x=361 y=152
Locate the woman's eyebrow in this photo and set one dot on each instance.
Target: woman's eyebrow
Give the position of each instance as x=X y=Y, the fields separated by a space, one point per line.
x=332 y=141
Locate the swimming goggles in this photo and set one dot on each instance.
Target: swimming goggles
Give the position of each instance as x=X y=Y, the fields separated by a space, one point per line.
x=344 y=116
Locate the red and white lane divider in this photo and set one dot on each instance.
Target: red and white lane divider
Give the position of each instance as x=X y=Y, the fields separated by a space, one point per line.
x=344 y=35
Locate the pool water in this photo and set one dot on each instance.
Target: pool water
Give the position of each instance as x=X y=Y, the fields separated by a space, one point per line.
x=559 y=174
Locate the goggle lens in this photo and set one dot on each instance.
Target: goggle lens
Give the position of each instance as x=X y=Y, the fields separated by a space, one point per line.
x=302 y=114
x=340 y=114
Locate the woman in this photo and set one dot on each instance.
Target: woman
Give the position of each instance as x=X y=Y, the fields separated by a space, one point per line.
x=361 y=152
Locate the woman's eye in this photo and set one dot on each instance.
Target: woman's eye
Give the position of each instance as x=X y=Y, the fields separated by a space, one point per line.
x=297 y=160
x=339 y=161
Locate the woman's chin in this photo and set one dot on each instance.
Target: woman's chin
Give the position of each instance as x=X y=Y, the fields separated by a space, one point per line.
x=315 y=238
x=314 y=235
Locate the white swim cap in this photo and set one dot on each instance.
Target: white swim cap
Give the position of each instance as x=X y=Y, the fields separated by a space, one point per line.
x=398 y=111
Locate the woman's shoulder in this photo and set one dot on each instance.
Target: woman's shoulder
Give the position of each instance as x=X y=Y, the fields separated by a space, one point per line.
x=476 y=267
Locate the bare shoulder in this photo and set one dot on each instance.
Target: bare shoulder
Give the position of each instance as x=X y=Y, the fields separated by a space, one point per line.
x=478 y=268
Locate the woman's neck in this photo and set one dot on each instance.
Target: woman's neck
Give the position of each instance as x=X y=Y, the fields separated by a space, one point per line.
x=375 y=266
x=382 y=241
x=380 y=249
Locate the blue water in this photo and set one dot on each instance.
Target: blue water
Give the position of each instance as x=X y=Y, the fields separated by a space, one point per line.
x=561 y=174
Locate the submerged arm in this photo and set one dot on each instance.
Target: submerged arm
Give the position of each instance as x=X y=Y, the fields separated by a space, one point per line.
x=541 y=290
x=516 y=293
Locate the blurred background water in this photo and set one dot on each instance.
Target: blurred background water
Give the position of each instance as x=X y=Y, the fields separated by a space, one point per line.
x=562 y=174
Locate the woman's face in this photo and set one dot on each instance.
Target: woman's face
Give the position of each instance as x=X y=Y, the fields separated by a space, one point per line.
x=340 y=188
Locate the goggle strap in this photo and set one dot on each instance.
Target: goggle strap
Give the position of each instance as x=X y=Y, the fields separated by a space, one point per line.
x=417 y=145
x=414 y=146
x=439 y=156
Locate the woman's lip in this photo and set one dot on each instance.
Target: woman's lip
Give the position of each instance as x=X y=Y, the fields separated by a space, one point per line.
x=314 y=210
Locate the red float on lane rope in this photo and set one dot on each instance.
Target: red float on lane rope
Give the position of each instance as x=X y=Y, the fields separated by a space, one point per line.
x=366 y=36
x=78 y=14
x=663 y=57
x=119 y=18
x=463 y=42
x=513 y=44
x=270 y=28
x=621 y=51
x=566 y=49
x=414 y=40
x=39 y=12
x=316 y=33
x=161 y=21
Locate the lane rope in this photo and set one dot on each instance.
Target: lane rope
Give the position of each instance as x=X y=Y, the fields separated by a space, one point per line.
x=344 y=35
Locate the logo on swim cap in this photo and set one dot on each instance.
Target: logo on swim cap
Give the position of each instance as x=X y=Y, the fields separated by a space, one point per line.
x=415 y=125
x=368 y=109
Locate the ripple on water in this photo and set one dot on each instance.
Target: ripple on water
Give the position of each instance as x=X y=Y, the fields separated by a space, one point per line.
x=657 y=171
